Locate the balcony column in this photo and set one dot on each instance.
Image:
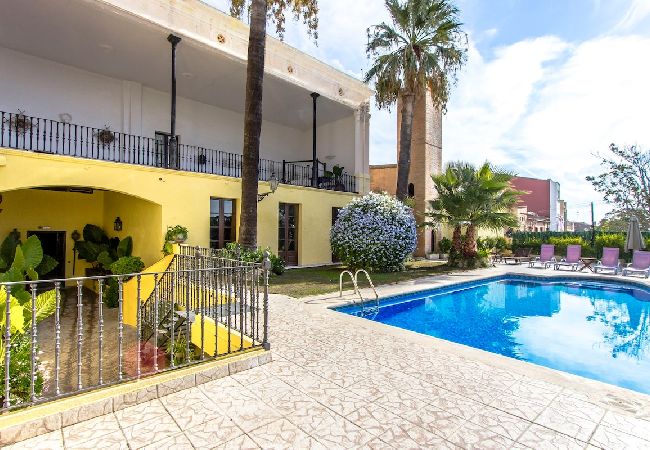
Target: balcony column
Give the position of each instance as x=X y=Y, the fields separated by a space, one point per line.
x=172 y=150
x=361 y=147
x=314 y=164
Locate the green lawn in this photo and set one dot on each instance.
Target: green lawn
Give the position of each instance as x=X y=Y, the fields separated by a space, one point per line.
x=323 y=280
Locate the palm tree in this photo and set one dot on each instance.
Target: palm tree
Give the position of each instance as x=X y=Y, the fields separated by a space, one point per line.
x=420 y=52
x=307 y=10
x=476 y=198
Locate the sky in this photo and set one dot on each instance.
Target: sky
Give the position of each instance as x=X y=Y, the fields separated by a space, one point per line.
x=547 y=86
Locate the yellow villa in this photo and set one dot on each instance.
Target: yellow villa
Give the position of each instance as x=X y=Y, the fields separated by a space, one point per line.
x=86 y=106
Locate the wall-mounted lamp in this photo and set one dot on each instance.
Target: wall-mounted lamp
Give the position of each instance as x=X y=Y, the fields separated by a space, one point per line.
x=273 y=184
x=117 y=225
x=75 y=235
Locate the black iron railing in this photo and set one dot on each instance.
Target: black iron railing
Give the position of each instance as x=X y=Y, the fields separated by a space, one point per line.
x=63 y=339
x=20 y=131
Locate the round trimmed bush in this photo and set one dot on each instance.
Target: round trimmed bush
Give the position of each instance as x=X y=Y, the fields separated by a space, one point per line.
x=375 y=232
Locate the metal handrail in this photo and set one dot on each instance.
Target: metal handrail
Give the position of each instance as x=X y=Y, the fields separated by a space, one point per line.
x=374 y=310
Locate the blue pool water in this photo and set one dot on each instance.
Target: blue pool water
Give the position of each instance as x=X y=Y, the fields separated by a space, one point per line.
x=596 y=330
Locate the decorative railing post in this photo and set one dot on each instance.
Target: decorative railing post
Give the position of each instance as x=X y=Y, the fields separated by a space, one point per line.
x=266 y=267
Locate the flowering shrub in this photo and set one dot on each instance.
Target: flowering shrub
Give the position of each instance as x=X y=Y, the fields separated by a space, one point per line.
x=375 y=232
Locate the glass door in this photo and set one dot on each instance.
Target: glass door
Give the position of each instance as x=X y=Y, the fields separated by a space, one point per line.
x=288 y=233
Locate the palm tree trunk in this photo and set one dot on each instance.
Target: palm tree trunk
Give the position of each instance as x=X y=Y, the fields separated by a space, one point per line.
x=469 y=248
x=252 y=124
x=406 y=132
x=456 y=245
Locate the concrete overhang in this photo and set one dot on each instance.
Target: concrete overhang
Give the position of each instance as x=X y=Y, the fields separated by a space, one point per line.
x=127 y=39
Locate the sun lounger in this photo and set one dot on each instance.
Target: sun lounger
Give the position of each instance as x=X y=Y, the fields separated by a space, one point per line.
x=609 y=261
x=572 y=260
x=520 y=255
x=640 y=264
x=546 y=257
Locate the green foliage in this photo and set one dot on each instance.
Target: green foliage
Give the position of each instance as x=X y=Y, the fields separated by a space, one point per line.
x=561 y=243
x=486 y=244
x=234 y=251
x=423 y=48
x=124 y=265
x=21 y=322
x=610 y=240
x=100 y=250
x=500 y=244
x=168 y=248
x=20 y=371
x=29 y=263
x=624 y=184
x=444 y=245
x=303 y=10
x=176 y=233
x=374 y=232
x=8 y=249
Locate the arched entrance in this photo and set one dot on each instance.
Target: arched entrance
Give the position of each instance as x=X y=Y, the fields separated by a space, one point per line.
x=54 y=213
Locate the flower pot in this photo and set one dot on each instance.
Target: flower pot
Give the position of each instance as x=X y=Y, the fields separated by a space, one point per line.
x=180 y=238
x=444 y=256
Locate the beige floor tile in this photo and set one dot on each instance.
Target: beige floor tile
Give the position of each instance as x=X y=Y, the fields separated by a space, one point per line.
x=337 y=432
x=243 y=442
x=609 y=438
x=410 y=436
x=139 y=413
x=541 y=438
x=501 y=422
x=47 y=441
x=578 y=407
x=213 y=433
x=252 y=414
x=374 y=419
x=177 y=442
x=568 y=424
x=90 y=429
x=471 y=435
x=150 y=431
x=114 y=440
x=282 y=434
x=436 y=420
x=628 y=424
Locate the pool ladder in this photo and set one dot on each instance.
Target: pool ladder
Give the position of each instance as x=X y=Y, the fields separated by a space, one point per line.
x=365 y=309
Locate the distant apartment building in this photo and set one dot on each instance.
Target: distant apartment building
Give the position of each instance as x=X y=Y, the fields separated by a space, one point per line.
x=540 y=208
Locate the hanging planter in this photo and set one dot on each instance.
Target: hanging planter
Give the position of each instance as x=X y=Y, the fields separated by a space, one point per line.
x=176 y=234
x=19 y=123
x=105 y=136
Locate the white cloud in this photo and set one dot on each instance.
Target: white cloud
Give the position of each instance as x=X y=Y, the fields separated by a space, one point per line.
x=544 y=107
x=638 y=11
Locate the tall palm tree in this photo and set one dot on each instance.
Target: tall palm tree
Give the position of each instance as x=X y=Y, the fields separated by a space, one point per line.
x=259 y=10
x=476 y=198
x=420 y=52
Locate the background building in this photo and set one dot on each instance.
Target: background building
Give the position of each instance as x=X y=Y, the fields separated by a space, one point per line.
x=544 y=210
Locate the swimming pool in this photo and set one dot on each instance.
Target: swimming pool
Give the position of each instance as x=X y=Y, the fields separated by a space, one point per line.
x=594 y=329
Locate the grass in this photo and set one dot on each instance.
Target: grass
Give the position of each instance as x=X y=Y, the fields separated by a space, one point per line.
x=323 y=280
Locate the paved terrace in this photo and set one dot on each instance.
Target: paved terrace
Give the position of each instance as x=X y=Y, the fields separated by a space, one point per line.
x=339 y=381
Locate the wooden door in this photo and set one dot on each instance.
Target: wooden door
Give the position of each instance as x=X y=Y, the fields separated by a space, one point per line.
x=53 y=244
x=288 y=233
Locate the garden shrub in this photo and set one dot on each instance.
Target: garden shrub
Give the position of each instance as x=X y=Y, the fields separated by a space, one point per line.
x=562 y=242
x=374 y=232
x=610 y=240
x=254 y=256
x=124 y=265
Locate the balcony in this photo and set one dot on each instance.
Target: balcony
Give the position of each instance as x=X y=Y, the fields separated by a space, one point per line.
x=23 y=132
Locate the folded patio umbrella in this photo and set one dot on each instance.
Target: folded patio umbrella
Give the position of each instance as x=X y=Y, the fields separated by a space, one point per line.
x=634 y=239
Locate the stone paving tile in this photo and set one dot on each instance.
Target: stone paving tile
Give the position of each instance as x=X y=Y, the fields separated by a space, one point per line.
x=150 y=431
x=135 y=414
x=471 y=435
x=282 y=434
x=52 y=440
x=177 y=442
x=243 y=442
x=627 y=424
x=610 y=438
x=115 y=440
x=90 y=430
x=500 y=422
x=541 y=438
x=216 y=432
x=568 y=424
x=409 y=436
x=374 y=419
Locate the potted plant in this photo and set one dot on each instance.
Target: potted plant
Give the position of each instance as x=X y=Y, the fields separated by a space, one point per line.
x=19 y=123
x=105 y=136
x=176 y=234
x=444 y=245
x=336 y=174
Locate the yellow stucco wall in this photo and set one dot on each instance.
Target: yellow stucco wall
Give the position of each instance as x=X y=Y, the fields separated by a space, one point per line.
x=184 y=198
